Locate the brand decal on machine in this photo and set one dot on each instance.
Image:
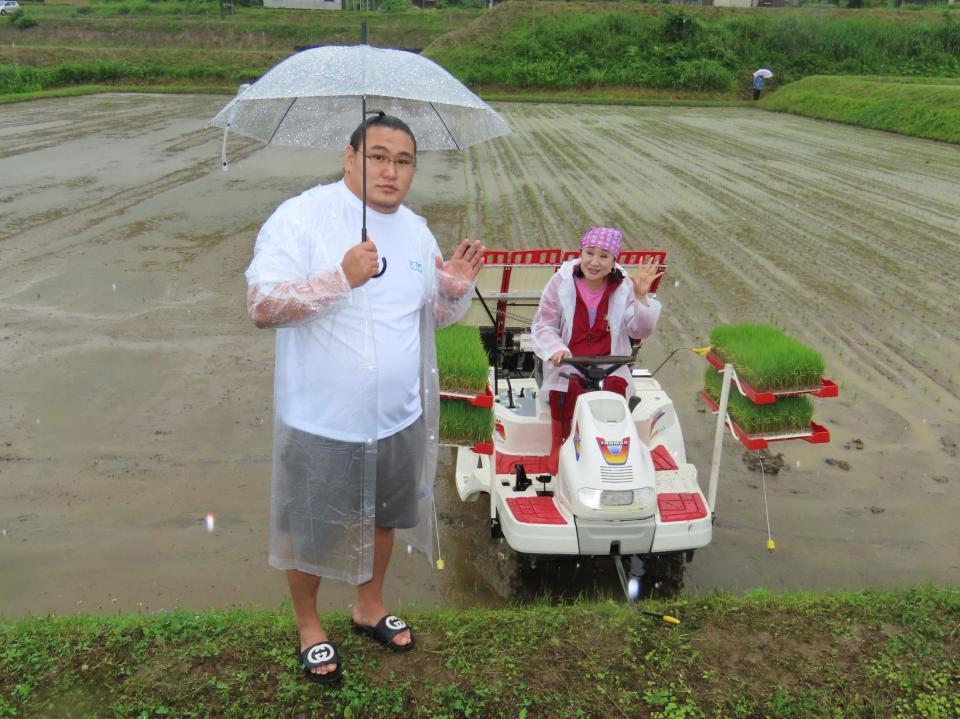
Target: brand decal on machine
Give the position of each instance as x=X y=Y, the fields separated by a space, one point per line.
x=499 y=433
x=576 y=440
x=653 y=423
x=614 y=452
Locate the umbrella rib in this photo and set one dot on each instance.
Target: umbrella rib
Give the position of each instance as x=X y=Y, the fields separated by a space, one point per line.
x=440 y=118
x=287 y=112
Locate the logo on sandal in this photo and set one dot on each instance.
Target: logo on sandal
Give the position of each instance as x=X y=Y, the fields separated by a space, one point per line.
x=320 y=654
x=614 y=452
x=395 y=623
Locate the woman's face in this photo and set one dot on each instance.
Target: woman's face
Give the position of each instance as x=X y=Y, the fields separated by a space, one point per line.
x=595 y=263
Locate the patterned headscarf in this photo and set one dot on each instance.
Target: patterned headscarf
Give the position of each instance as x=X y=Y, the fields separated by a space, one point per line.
x=606 y=238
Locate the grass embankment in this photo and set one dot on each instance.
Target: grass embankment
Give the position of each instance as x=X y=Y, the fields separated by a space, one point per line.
x=928 y=107
x=581 y=45
x=531 y=50
x=176 y=45
x=872 y=654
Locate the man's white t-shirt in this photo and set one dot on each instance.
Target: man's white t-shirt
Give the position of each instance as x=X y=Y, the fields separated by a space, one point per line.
x=332 y=347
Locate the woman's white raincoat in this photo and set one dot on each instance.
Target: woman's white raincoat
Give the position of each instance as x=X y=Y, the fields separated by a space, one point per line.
x=325 y=526
x=553 y=323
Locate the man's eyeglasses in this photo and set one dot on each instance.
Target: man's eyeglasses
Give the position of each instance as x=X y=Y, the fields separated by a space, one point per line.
x=401 y=163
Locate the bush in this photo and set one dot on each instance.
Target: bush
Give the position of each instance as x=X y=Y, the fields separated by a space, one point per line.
x=22 y=21
x=703 y=75
x=393 y=6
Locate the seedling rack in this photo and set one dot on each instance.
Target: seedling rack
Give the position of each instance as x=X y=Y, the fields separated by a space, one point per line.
x=817 y=434
x=827 y=388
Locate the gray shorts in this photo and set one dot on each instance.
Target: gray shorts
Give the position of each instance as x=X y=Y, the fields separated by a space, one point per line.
x=400 y=459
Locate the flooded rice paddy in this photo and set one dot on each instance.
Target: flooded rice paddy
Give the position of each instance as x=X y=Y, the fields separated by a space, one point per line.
x=136 y=394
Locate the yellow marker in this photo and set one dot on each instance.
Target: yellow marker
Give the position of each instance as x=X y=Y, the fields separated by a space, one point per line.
x=703 y=351
x=440 y=564
x=665 y=617
x=771 y=545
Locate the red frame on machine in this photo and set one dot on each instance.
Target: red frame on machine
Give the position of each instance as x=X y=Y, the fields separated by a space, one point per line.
x=552 y=256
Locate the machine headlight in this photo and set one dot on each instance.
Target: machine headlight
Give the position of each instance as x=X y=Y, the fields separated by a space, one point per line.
x=596 y=498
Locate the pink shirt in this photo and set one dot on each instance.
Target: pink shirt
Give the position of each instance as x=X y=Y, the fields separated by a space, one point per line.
x=591 y=298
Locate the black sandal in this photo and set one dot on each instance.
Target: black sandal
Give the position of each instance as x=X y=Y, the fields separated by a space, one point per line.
x=384 y=632
x=318 y=655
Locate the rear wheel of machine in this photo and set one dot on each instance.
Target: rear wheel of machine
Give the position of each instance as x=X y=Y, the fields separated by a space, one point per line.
x=663 y=574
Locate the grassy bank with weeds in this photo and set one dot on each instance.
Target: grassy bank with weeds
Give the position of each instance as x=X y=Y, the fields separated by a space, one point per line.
x=571 y=44
x=529 y=48
x=867 y=654
x=920 y=107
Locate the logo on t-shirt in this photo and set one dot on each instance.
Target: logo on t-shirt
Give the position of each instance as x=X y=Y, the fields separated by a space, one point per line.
x=414 y=265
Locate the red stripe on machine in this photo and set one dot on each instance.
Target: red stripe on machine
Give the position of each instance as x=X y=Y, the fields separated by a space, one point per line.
x=535 y=510
x=681 y=506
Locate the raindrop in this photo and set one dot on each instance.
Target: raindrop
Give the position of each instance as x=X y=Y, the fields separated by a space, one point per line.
x=633 y=589
x=798 y=464
x=209 y=521
x=676 y=283
x=114 y=286
x=38 y=420
x=409 y=549
x=3 y=532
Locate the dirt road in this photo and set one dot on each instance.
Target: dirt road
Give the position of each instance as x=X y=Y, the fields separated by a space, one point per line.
x=136 y=395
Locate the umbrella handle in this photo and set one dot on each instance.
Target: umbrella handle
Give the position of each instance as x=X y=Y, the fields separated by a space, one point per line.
x=383 y=269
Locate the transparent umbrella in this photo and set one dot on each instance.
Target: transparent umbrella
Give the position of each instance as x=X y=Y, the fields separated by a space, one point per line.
x=317 y=97
x=764 y=73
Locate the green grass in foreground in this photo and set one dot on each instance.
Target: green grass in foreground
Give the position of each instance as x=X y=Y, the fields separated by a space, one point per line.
x=461 y=359
x=767 y=358
x=867 y=654
x=921 y=107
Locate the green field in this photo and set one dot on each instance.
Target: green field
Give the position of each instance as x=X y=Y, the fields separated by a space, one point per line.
x=921 y=107
x=869 y=654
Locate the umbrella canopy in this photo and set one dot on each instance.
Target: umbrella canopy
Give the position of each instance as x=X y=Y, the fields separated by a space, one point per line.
x=764 y=73
x=312 y=99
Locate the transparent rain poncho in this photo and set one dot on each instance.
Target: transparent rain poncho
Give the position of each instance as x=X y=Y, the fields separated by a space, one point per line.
x=553 y=323
x=324 y=488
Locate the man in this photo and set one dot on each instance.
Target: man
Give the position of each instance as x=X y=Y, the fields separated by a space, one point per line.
x=356 y=389
x=757 y=86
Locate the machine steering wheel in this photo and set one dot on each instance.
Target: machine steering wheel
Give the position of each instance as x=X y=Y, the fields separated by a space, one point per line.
x=596 y=369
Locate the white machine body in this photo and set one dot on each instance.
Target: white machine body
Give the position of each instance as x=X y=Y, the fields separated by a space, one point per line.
x=622 y=484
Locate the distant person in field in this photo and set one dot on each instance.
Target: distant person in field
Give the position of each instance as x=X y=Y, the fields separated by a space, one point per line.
x=757 y=86
x=591 y=306
x=356 y=390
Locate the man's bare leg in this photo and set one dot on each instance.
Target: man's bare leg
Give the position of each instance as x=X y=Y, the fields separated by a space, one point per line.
x=369 y=608
x=303 y=592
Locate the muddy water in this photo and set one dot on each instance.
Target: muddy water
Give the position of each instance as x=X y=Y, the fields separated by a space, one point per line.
x=136 y=395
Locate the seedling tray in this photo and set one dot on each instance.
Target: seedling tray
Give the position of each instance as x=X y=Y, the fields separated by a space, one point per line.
x=477 y=400
x=816 y=434
x=827 y=388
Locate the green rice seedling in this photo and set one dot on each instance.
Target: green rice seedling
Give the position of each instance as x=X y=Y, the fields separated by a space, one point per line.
x=461 y=359
x=462 y=423
x=766 y=358
x=788 y=414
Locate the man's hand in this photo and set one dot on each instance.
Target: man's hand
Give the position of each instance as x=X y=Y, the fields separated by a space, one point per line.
x=644 y=278
x=557 y=357
x=461 y=270
x=360 y=263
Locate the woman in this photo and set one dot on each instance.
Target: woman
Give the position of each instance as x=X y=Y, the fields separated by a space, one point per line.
x=591 y=307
